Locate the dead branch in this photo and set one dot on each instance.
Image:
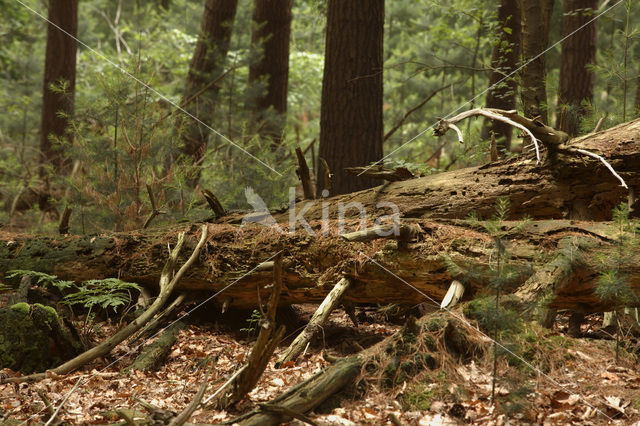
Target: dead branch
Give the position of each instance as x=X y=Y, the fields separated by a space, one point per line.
x=154 y=208
x=265 y=344
x=381 y=172
x=494 y=114
x=303 y=173
x=412 y=110
x=182 y=418
x=317 y=320
x=214 y=204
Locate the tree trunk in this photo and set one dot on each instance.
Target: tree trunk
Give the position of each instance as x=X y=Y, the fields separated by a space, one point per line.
x=504 y=61
x=638 y=99
x=59 y=71
x=536 y=16
x=269 y=75
x=206 y=65
x=578 y=52
x=351 y=113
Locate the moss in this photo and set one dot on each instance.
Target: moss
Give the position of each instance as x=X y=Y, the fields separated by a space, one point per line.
x=24 y=346
x=434 y=324
x=33 y=338
x=21 y=307
x=419 y=397
x=429 y=342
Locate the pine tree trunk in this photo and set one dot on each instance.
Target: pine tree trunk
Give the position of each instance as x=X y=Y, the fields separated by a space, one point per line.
x=637 y=111
x=536 y=16
x=351 y=113
x=206 y=65
x=578 y=51
x=59 y=68
x=270 y=74
x=504 y=60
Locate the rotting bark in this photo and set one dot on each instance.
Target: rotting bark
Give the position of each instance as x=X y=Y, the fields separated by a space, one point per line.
x=562 y=186
x=318 y=319
x=154 y=354
x=380 y=270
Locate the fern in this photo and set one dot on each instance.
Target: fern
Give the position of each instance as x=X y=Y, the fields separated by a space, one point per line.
x=45 y=280
x=107 y=293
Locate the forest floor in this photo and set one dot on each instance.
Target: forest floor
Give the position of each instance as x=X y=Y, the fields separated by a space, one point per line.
x=582 y=385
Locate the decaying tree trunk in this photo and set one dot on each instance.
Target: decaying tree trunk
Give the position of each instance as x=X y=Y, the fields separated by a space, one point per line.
x=563 y=186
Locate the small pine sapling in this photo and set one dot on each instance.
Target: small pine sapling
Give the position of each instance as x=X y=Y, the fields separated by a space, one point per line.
x=614 y=286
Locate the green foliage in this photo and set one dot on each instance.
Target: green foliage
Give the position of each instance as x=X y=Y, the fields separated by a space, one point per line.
x=419 y=397
x=613 y=284
x=44 y=280
x=491 y=318
x=108 y=293
x=252 y=323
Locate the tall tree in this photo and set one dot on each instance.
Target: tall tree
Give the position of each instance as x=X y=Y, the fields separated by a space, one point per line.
x=207 y=63
x=59 y=84
x=270 y=73
x=578 y=51
x=504 y=60
x=351 y=112
x=536 y=16
x=637 y=104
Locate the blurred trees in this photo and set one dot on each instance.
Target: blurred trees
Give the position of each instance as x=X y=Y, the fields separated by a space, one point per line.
x=438 y=59
x=504 y=61
x=269 y=72
x=201 y=89
x=536 y=17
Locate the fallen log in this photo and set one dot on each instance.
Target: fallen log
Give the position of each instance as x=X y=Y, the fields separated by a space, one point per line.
x=562 y=186
x=565 y=185
x=381 y=271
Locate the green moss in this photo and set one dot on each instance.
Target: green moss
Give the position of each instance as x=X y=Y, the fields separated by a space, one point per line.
x=33 y=338
x=24 y=346
x=51 y=313
x=21 y=307
x=419 y=397
x=434 y=324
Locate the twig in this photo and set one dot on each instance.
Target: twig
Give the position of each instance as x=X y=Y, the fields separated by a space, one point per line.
x=155 y=212
x=445 y=124
x=225 y=385
x=214 y=203
x=279 y=409
x=63 y=227
x=411 y=111
x=46 y=401
x=607 y=165
x=182 y=418
x=303 y=173
x=126 y=418
x=55 y=414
